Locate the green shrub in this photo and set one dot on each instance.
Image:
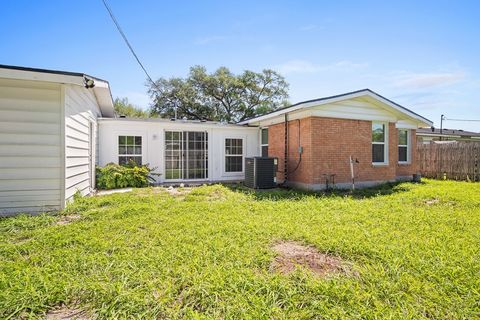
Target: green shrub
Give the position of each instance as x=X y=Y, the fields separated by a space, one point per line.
x=114 y=176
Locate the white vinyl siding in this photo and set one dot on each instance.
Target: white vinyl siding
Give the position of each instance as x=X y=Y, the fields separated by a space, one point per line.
x=30 y=146
x=81 y=112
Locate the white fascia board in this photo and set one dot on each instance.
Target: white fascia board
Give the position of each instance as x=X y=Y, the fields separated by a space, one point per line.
x=173 y=124
x=303 y=106
x=101 y=89
x=437 y=135
x=421 y=122
x=401 y=124
x=40 y=76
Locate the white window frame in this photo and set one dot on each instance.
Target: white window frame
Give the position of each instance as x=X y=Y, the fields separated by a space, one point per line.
x=403 y=145
x=207 y=149
x=263 y=144
x=129 y=134
x=225 y=155
x=385 y=143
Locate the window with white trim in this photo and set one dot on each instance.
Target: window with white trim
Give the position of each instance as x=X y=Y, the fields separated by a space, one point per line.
x=233 y=155
x=264 y=142
x=403 y=146
x=130 y=149
x=379 y=143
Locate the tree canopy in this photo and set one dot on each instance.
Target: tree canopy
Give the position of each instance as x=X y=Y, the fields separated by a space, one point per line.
x=123 y=107
x=219 y=96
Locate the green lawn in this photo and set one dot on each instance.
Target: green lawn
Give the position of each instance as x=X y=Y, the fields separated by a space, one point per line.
x=415 y=249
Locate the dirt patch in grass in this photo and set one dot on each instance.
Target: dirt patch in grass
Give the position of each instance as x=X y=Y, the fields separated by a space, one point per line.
x=430 y=202
x=67 y=219
x=178 y=192
x=65 y=313
x=440 y=202
x=292 y=255
x=216 y=195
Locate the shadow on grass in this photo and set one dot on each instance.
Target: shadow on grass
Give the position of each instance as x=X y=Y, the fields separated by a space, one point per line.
x=295 y=194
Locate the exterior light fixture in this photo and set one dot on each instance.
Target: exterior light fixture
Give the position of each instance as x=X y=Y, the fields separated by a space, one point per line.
x=89 y=83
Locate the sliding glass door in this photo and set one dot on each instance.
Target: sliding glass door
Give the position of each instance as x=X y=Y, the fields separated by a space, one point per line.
x=186 y=155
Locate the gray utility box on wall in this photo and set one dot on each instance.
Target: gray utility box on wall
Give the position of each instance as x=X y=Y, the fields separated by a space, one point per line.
x=260 y=172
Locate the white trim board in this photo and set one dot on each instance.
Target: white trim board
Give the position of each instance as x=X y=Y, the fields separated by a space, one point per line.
x=368 y=96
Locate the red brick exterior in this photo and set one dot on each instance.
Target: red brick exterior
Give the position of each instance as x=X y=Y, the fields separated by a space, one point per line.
x=328 y=144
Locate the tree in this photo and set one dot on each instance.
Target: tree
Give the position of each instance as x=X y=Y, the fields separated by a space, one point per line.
x=124 y=108
x=220 y=96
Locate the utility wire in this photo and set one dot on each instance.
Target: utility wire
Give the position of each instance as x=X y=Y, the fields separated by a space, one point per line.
x=128 y=43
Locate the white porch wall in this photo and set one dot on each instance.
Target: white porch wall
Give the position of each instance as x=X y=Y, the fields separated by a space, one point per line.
x=153 y=143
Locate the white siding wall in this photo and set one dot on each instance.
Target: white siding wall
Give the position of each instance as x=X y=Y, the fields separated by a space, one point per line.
x=30 y=146
x=153 y=143
x=81 y=111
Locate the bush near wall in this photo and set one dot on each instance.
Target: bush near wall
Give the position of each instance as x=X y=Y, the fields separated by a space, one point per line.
x=114 y=176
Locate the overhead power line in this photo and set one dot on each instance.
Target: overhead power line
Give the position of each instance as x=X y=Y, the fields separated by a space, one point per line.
x=126 y=41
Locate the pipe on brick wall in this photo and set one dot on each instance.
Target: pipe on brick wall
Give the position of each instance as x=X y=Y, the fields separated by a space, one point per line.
x=300 y=149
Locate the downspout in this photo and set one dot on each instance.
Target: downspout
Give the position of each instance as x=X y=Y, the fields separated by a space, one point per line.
x=300 y=151
x=300 y=148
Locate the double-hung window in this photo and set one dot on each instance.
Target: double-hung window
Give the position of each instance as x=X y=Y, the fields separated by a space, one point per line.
x=130 y=149
x=403 y=146
x=264 y=142
x=379 y=143
x=233 y=155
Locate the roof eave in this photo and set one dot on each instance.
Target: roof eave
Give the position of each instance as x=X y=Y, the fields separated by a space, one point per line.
x=421 y=121
x=101 y=89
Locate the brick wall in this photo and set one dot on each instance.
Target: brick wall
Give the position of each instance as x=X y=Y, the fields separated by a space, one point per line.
x=328 y=144
x=276 y=148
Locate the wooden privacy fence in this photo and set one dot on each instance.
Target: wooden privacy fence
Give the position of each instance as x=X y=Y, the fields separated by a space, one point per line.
x=455 y=161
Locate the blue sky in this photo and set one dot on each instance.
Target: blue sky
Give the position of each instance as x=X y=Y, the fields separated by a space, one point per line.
x=421 y=54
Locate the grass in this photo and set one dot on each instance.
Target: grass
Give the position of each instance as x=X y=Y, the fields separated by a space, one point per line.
x=206 y=254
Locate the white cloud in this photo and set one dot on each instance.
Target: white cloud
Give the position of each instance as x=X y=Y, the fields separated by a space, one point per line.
x=201 y=41
x=427 y=80
x=304 y=66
